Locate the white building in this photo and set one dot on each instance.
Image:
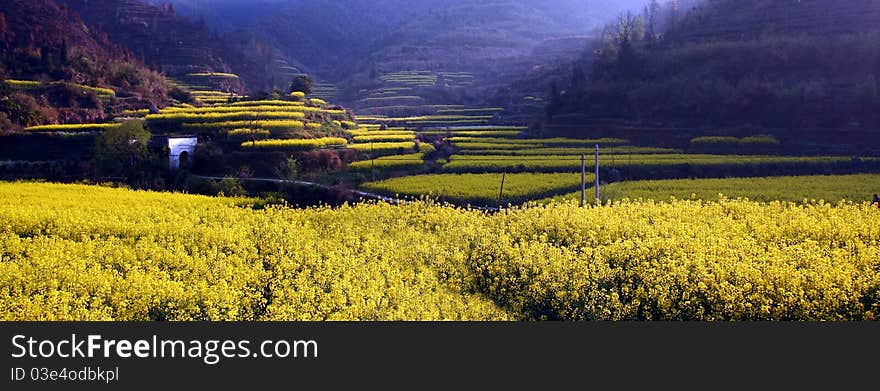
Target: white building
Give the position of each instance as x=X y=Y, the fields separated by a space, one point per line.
x=181 y=151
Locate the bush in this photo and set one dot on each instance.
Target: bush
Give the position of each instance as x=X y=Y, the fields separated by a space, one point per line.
x=123 y=150
x=324 y=160
x=302 y=84
x=201 y=186
x=231 y=187
x=288 y=170
x=208 y=158
x=181 y=95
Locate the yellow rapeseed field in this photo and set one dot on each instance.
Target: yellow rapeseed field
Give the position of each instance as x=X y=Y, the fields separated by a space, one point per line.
x=75 y=252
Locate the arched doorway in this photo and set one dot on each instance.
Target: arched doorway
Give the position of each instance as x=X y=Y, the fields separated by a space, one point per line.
x=184 y=160
x=180 y=152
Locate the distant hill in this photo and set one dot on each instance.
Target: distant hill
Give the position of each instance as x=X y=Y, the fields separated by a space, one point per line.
x=353 y=42
x=733 y=63
x=57 y=69
x=180 y=45
x=727 y=19
x=337 y=37
x=224 y=15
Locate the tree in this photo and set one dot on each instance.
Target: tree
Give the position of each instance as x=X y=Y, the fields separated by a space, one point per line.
x=626 y=32
x=578 y=78
x=651 y=33
x=288 y=170
x=123 y=151
x=231 y=187
x=555 y=101
x=63 y=52
x=674 y=7
x=302 y=83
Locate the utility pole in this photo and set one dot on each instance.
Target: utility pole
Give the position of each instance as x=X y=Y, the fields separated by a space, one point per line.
x=583 y=180
x=372 y=161
x=501 y=193
x=598 y=200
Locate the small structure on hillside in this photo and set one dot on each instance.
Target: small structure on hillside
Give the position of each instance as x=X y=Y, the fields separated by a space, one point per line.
x=180 y=151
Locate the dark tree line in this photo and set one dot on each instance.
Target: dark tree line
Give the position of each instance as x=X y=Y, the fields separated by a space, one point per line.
x=653 y=67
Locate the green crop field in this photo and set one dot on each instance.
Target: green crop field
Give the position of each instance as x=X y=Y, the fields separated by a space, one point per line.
x=376 y=132
x=511 y=144
x=549 y=163
x=830 y=188
x=281 y=125
x=376 y=149
x=412 y=161
x=294 y=144
x=483 y=189
x=384 y=138
x=622 y=151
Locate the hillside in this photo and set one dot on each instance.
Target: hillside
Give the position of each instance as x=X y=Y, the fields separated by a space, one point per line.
x=179 y=45
x=399 y=35
x=725 y=19
x=352 y=45
x=777 y=65
x=60 y=70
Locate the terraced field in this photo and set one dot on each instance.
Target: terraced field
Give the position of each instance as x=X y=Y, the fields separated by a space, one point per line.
x=481 y=189
x=415 y=99
x=284 y=119
x=479 y=156
x=551 y=163
x=830 y=188
x=104 y=94
x=210 y=88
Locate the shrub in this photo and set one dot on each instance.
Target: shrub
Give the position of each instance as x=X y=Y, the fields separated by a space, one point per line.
x=196 y=185
x=324 y=160
x=231 y=187
x=181 y=95
x=302 y=84
x=288 y=170
x=123 y=150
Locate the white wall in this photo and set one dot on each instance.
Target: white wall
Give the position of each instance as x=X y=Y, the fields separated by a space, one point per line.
x=179 y=145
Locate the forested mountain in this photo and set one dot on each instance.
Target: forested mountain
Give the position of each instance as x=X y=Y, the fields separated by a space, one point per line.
x=178 y=45
x=336 y=40
x=58 y=69
x=771 y=64
x=224 y=15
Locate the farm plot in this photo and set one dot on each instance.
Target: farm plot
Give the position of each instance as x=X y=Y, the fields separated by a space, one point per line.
x=830 y=188
x=482 y=189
